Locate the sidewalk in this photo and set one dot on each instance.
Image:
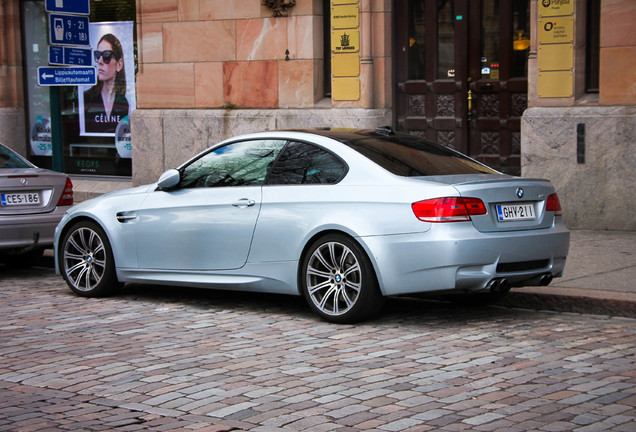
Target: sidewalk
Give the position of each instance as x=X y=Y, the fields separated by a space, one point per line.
x=600 y=277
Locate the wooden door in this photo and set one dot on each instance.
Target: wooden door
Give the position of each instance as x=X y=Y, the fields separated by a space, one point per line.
x=461 y=75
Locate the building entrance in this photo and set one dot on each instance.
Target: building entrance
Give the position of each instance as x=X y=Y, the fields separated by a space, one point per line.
x=461 y=75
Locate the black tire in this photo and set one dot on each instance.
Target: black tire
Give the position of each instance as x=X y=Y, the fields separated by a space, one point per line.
x=86 y=260
x=338 y=280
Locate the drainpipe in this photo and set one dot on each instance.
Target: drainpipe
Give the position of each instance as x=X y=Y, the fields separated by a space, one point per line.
x=366 y=55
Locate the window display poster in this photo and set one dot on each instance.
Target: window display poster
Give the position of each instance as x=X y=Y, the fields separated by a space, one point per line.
x=103 y=106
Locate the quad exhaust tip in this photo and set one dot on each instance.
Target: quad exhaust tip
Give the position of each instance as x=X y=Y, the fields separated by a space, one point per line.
x=498 y=285
x=546 y=279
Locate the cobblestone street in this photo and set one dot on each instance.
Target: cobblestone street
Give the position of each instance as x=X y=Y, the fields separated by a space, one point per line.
x=165 y=359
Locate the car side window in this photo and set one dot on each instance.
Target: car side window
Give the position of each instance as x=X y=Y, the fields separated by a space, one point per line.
x=302 y=163
x=243 y=163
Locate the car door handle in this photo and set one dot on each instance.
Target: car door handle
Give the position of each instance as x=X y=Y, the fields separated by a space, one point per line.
x=244 y=202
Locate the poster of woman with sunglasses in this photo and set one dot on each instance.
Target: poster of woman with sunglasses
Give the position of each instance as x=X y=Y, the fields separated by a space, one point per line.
x=106 y=104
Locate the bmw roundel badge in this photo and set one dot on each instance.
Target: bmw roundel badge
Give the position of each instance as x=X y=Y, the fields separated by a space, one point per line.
x=520 y=193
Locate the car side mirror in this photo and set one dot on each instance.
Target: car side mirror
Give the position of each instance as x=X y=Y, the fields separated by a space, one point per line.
x=169 y=179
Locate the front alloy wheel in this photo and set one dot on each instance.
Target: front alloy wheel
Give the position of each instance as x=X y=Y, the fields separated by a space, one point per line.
x=339 y=282
x=86 y=260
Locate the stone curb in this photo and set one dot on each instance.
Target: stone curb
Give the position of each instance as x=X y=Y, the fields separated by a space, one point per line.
x=575 y=301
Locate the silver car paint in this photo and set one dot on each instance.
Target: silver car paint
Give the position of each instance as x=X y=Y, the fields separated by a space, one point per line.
x=408 y=255
x=23 y=227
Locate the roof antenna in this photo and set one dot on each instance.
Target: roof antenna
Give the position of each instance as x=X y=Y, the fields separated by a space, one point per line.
x=385 y=130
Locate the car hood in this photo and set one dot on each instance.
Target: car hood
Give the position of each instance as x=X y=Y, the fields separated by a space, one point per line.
x=118 y=193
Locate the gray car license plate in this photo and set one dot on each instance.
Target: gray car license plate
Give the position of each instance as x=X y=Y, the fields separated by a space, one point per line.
x=515 y=212
x=20 y=199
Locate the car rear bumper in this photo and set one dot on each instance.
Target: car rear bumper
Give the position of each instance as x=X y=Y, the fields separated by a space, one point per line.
x=29 y=231
x=457 y=257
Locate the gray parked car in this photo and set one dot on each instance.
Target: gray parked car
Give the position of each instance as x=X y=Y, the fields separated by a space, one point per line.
x=32 y=203
x=343 y=217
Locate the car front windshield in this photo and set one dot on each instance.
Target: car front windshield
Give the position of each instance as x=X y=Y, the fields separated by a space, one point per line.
x=8 y=159
x=410 y=156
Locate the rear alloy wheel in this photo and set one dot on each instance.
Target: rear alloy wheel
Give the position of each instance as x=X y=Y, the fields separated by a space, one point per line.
x=86 y=260
x=339 y=282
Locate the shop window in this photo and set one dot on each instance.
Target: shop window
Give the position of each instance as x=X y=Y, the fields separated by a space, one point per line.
x=95 y=125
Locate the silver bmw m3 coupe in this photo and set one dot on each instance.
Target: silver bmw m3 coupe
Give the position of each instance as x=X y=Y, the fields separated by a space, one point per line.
x=342 y=217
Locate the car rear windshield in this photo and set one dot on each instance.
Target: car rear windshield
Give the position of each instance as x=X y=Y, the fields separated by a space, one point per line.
x=9 y=159
x=410 y=156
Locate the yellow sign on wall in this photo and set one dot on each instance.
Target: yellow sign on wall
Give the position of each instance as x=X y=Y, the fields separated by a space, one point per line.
x=345 y=41
x=555 y=54
x=345 y=49
x=344 y=65
x=345 y=16
x=345 y=88
x=556 y=30
x=555 y=84
x=555 y=57
x=556 y=7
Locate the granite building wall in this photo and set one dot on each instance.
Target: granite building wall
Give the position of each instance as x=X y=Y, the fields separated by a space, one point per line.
x=585 y=144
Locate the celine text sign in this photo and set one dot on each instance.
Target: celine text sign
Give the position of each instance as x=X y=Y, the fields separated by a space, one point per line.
x=63 y=55
x=66 y=76
x=81 y=7
x=68 y=30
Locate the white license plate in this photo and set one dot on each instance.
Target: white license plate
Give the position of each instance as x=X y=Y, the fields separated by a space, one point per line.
x=20 y=199
x=515 y=212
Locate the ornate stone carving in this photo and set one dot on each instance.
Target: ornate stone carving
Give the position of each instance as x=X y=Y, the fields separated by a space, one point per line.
x=417 y=105
x=489 y=105
x=490 y=143
x=515 y=145
x=519 y=104
x=279 y=6
x=446 y=106
x=446 y=138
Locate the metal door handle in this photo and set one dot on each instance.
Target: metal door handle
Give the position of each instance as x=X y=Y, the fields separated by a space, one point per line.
x=244 y=202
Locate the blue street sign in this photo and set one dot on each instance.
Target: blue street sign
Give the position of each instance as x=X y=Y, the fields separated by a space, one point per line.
x=66 y=76
x=63 y=55
x=68 y=6
x=68 y=30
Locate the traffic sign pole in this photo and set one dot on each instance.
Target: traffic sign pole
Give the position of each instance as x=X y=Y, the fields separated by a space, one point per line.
x=56 y=129
x=65 y=30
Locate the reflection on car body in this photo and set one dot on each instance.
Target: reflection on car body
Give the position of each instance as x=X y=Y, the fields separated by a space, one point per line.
x=343 y=217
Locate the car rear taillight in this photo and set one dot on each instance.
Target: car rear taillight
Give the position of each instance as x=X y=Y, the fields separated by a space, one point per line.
x=67 y=195
x=554 y=204
x=450 y=209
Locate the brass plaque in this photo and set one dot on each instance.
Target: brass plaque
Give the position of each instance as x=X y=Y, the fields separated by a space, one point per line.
x=555 y=57
x=343 y=41
x=556 y=7
x=345 y=65
x=345 y=88
x=345 y=16
x=555 y=84
x=342 y=2
x=556 y=30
